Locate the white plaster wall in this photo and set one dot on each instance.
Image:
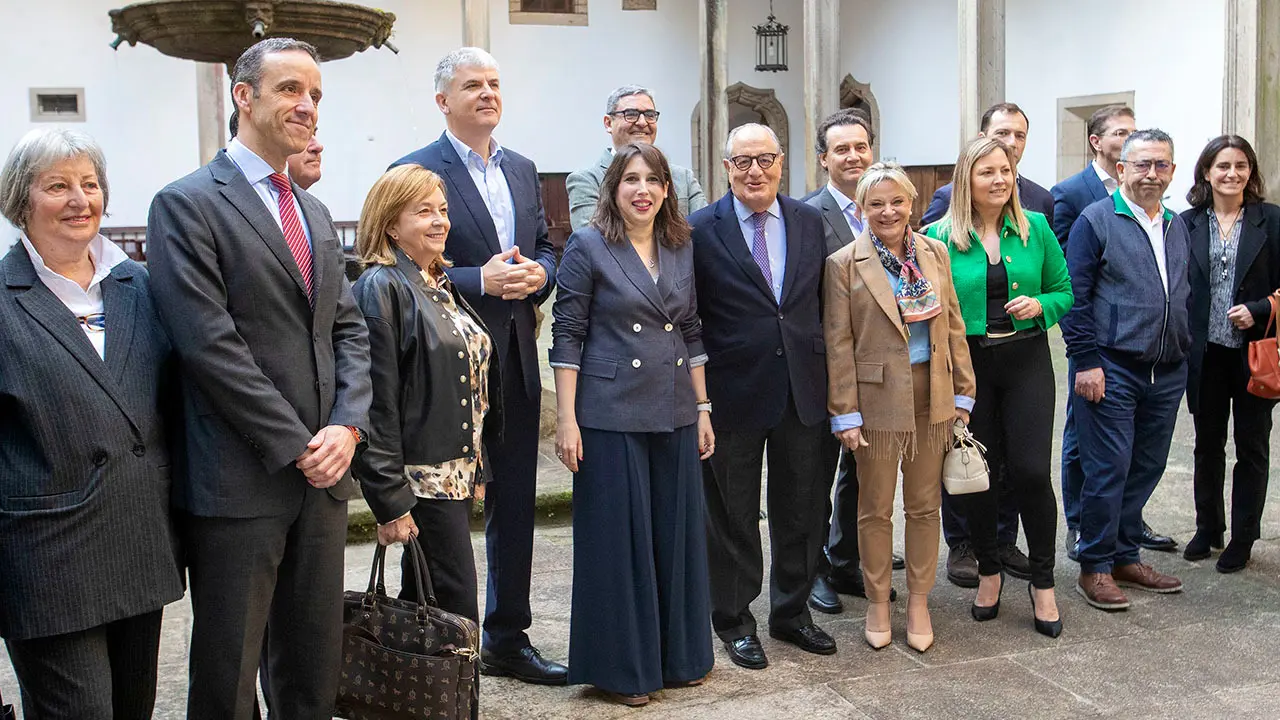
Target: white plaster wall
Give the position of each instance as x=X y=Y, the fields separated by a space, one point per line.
x=1169 y=52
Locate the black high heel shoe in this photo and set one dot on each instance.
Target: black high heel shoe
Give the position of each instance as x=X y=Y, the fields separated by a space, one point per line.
x=1048 y=628
x=983 y=614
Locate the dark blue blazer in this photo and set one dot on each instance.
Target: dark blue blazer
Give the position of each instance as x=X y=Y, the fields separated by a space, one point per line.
x=473 y=240
x=761 y=354
x=1071 y=197
x=1031 y=195
x=632 y=339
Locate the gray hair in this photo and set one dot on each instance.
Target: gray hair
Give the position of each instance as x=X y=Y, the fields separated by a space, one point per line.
x=35 y=153
x=1155 y=135
x=733 y=134
x=625 y=91
x=249 y=67
x=462 y=57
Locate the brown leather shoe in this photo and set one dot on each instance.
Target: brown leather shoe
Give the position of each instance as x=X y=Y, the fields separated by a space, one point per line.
x=1100 y=591
x=1144 y=577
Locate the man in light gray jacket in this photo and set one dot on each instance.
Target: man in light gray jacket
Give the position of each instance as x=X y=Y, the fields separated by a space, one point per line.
x=630 y=117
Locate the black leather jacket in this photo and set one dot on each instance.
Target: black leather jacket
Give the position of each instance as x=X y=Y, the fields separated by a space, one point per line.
x=421 y=413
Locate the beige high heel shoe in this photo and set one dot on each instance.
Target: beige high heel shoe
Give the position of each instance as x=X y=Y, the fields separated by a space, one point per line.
x=919 y=642
x=877 y=639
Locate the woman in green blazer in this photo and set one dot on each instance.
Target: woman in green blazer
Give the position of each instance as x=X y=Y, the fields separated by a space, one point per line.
x=1011 y=278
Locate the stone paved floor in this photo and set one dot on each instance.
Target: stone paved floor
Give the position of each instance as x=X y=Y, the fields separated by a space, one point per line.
x=1212 y=651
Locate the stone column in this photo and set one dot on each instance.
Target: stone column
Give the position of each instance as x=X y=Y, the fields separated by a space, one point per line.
x=475 y=23
x=821 y=78
x=981 y=51
x=713 y=24
x=1251 y=79
x=210 y=115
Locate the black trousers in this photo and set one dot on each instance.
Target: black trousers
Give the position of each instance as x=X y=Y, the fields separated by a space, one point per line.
x=799 y=483
x=444 y=533
x=955 y=529
x=1013 y=418
x=508 y=512
x=1224 y=379
x=840 y=558
x=102 y=673
x=279 y=576
x=640 y=607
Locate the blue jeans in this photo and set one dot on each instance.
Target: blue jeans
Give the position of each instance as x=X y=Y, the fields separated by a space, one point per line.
x=1124 y=445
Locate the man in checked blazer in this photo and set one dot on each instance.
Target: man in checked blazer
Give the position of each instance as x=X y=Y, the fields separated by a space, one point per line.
x=247 y=273
x=504 y=265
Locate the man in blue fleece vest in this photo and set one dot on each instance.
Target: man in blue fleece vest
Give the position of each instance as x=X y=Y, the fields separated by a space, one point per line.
x=1127 y=337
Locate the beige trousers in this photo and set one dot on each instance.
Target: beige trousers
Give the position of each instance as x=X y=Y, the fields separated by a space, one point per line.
x=921 y=499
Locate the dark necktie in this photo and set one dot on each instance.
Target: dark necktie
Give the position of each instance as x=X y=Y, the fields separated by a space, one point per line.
x=760 y=249
x=294 y=236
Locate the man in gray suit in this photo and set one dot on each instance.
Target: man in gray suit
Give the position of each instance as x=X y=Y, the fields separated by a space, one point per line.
x=247 y=273
x=629 y=117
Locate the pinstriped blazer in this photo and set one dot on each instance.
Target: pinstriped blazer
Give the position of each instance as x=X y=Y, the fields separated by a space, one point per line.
x=85 y=537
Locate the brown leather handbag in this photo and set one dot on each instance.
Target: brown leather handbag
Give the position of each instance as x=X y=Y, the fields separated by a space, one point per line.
x=405 y=659
x=1264 y=359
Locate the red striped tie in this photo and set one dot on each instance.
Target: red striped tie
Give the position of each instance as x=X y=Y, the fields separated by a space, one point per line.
x=294 y=236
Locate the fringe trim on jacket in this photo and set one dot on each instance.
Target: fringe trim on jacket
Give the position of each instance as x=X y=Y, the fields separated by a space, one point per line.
x=889 y=444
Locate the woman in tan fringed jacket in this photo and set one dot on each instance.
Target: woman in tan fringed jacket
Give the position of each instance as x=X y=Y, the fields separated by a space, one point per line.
x=899 y=376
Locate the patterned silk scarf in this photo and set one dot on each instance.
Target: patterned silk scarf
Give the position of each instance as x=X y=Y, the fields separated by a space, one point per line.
x=916 y=297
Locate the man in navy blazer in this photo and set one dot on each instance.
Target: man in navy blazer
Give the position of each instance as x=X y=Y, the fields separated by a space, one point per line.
x=1007 y=123
x=1109 y=127
x=504 y=264
x=758 y=261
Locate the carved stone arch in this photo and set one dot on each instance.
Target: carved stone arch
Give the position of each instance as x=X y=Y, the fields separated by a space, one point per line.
x=854 y=94
x=761 y=101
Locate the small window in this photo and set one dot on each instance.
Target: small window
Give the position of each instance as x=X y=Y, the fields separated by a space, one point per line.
x=550 y=6
x=639 y=4
x=57 y=105
x=548 y=12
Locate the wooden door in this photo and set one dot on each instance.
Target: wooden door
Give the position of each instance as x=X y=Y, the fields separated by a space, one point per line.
x=927 y=179
x=555 y=204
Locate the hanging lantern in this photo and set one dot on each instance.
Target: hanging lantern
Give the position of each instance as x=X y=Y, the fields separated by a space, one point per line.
x=771 y=44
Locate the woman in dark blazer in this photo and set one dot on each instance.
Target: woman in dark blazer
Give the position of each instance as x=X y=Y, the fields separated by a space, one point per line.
x=634 y=420
x=436 y=393
x=1235 y=246
x=87 y=558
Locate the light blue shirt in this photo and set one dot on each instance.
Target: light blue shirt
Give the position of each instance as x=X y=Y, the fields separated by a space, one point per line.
x=258 y=172
x=848 y=207
x=775 y=239
x=918 y=350
x=491 y=183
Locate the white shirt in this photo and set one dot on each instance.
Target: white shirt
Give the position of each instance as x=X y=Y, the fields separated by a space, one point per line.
x=81 y=302
x=1108 y=182
x=848 y=207
x=775 y=240
x=1155 y=233
x=491 y=183
x=258 y=172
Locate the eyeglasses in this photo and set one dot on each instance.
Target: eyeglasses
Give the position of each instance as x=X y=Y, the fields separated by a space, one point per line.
x=764 y=160
x=1142 y=167
x=633 y=116
x=96 y=322
x=1118 y=133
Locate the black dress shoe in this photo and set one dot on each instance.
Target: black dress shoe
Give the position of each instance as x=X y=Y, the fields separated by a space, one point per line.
x=1201 y=545
x=1235 y=557
x=853 y=585
x=1151 y=541
x=823 y=597
x=989 y=612
x=747 y=652
x=1015 y=562
x=1048 y=628
x=1073 y=545
x=526 y=665
x=809 y=638
x=898 y=562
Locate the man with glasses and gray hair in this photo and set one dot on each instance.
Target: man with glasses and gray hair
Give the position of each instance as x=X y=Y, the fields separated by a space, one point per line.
x=504 y=265
x=1128 y=336
x=629 y=117
x=758 y=259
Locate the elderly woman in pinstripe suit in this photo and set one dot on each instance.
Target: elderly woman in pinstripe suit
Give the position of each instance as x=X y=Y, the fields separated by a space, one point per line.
x=87 y=559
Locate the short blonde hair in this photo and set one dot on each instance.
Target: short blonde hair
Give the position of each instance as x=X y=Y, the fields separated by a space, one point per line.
x=961 y=219
x=883 y=172
x=388 y=197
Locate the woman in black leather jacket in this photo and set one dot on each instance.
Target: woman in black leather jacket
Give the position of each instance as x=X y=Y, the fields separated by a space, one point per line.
x=436 y=387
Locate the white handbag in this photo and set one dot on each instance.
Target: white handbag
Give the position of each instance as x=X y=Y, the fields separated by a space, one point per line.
x=964 y=469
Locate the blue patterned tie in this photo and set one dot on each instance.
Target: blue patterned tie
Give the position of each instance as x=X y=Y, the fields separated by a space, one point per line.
x=759 y=249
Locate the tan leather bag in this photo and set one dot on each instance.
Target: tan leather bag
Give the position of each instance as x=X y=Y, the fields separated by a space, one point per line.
x=1264 y=359
x=964 y=469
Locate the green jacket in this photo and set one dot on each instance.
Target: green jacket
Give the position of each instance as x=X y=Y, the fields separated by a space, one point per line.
x=1038 y=270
